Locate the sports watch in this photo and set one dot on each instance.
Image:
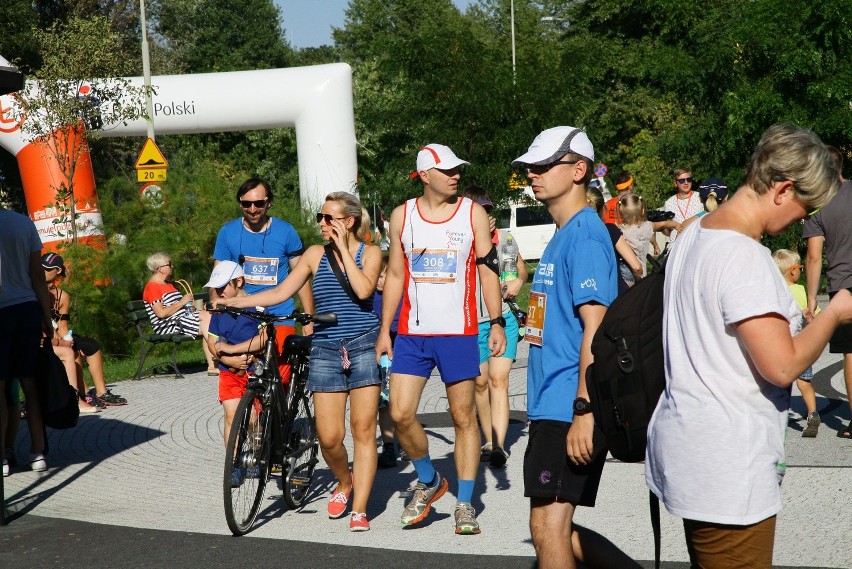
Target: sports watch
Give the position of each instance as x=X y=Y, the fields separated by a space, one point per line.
x=582 y=406
x=499 y=321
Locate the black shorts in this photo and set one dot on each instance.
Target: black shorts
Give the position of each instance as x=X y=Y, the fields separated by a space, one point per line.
x=87 y=346
x=20 y=336
x=841 y=340
x=549 y=474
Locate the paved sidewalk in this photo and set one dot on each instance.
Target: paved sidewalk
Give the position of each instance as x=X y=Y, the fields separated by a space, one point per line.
x=156 y=464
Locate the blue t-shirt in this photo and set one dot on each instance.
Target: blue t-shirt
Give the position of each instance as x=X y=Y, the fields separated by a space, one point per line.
x=267 y=255
x=233 y=329
x=577 y=267
x=378 y=302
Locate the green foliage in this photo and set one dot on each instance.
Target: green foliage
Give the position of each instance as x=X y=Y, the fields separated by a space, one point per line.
x=219 y=35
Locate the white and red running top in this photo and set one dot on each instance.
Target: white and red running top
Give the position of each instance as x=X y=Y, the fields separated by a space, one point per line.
x=439 y=294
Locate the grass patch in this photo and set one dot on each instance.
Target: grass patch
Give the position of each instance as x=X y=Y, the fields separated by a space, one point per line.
x=190 y=359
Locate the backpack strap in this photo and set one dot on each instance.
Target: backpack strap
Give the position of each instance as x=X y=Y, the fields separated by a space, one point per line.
x=655 y=525
x=335 y=268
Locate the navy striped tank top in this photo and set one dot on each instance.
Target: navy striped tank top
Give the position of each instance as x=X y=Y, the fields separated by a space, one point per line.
x=352 y=319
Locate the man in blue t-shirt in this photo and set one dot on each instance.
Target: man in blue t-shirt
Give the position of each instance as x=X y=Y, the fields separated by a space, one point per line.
x=266 y=248
x=573 y=285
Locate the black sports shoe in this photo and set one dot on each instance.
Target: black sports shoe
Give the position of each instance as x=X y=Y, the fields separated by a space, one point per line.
x=498 y=457
x=94 y=401
x=109 y=398
x=387 y=458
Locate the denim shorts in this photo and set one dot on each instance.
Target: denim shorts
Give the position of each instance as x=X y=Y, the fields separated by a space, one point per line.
x=343 y=365
x=511 y=339
x=808 y=374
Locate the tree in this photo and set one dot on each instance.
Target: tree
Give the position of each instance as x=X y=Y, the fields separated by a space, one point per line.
x=78 y=93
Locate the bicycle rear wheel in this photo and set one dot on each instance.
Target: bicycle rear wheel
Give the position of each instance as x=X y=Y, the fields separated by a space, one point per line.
x=302 y=449
x=247 y=462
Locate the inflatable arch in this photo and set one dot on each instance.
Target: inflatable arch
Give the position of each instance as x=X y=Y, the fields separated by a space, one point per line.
x=316 y=100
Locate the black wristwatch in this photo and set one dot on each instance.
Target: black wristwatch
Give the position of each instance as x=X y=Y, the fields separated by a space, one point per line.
x=582 y=406
x=499 y=321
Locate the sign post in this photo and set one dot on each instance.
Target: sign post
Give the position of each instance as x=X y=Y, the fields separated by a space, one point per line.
x=151 y=165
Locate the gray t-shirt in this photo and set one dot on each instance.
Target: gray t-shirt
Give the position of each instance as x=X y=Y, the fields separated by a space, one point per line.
x=18 y=240
x=833 y=223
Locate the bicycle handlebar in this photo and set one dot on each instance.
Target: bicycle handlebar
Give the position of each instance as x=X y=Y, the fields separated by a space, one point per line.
x=328 y=318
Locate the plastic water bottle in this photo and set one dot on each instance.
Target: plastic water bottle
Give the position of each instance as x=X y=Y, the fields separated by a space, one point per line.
x=508 y=259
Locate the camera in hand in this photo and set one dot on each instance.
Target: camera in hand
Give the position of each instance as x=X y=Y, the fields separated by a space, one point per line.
x=657 y=215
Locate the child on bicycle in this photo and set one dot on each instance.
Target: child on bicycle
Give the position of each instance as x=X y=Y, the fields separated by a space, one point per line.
x=233 y=340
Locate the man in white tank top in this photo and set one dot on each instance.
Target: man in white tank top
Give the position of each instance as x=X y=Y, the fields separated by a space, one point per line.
x=437 y=242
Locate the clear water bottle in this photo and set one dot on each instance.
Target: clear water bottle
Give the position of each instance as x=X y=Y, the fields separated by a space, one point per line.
x=508 y=259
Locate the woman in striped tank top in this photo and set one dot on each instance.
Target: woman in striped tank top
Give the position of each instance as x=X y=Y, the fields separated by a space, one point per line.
x=343 y=359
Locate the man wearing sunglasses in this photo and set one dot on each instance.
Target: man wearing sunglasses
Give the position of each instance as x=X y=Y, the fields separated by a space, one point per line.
x=266 y=248
x=574 y=283
x=685 y=203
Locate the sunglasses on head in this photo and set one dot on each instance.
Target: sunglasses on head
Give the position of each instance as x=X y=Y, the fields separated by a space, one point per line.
x=684 y=180
x=246 y=204
x=328 y=218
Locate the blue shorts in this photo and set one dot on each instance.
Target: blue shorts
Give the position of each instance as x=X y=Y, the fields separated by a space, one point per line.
x=511 y=339
x=455 y=356
x=808 y=374
x=20 y=337
x=343 y=365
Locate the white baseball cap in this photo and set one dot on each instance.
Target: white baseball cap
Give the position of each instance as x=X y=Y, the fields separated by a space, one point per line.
x=223 y=273
x=554 y=143
x=436 y=156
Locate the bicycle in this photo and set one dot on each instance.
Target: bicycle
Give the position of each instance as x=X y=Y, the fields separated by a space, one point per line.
x=273 y=425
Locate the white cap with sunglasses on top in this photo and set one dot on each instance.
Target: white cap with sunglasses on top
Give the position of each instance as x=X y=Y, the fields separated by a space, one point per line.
x=223 y=273
x=554 y=143
x=436 y=156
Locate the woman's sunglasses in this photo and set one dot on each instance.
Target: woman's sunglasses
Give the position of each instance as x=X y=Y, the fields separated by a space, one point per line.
x=327 y=218
x=684 y=180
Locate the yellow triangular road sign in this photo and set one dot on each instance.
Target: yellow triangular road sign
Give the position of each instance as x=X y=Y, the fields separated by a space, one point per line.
x=151 y=157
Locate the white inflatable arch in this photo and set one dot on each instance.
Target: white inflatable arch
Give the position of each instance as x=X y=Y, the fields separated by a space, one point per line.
x=316 y=100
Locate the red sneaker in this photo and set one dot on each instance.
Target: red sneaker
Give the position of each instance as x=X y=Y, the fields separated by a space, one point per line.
x=339 y=500
x=359 y=522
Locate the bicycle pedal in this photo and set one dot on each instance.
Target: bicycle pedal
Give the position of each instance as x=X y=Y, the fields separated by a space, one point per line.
x=300 y=481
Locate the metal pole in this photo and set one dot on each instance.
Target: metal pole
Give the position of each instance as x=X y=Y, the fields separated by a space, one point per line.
x=146 y=71
x=512 y=16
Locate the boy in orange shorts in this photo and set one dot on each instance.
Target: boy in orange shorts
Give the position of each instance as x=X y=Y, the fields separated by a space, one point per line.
x=233 y=340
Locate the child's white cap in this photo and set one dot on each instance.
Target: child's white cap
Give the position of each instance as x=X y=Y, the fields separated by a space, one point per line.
x=223 y=273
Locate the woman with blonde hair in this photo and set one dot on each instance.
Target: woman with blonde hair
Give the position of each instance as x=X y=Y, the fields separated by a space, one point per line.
x=343 y=358
x=715 y=453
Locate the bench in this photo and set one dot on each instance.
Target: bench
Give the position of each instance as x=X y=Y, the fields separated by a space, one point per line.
x=148 y=340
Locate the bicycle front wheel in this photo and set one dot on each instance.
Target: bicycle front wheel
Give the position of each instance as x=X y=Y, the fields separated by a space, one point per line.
x=247 y=462
x=302 y=449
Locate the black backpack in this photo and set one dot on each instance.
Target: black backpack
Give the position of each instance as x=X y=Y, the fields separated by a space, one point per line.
x=628 y=375
x=59 y=401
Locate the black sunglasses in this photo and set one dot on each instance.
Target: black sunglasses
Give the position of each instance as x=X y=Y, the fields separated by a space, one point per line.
x=327 y=218
x=539 y=169
x=684 y=180
x=246 y=204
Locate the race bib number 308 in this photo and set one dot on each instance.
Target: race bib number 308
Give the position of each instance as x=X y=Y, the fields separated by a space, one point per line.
x=434 y=265
x=261 y=270
x=535 y=318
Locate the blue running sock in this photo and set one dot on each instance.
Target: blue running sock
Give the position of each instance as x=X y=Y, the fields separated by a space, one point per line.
x=465 y=491
x=425 y=470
